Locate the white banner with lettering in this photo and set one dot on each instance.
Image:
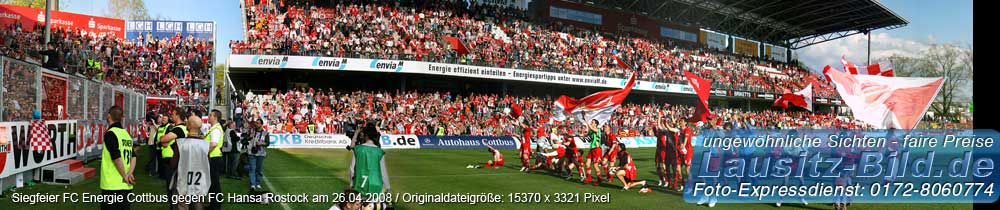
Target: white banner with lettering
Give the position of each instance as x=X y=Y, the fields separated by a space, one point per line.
x=456 y=70
x=297 y=140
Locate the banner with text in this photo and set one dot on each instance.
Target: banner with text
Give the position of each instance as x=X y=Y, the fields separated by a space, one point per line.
x=169 y=28
x=429 y=68
x=29 y=17
x=296 y=140
x=17 y=156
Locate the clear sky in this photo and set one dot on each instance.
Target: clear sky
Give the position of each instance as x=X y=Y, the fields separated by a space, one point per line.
x=931 y=21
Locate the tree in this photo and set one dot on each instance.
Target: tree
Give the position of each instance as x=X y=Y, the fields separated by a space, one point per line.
x=128 y=9
x=38 y=4
x=941 y=60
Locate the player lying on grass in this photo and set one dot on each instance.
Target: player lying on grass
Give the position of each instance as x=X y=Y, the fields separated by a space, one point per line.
x=544 y=154
x=496 y=160
x=626 y=171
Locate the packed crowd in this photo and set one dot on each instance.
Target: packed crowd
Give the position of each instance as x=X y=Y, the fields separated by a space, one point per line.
x=312 y=111
x=168 y=66
x=497 y=37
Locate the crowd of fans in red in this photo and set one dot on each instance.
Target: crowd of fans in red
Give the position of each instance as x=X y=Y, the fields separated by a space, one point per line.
x=166 y=66
x=480 y=114
x=499 y=37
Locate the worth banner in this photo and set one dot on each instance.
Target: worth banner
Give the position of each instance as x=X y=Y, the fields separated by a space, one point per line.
x=17 y=156
x=29 y=17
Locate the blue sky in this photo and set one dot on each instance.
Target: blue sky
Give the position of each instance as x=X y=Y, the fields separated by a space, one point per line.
x=931 y=21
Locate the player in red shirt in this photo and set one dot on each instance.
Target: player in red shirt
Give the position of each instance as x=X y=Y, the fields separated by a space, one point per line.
x=685 y=153
x=525 y=148
x=573 y=157
x=626 y=171
x=612 y=156
x=495 y=162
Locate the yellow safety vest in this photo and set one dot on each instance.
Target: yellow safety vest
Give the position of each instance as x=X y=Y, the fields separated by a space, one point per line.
x=159 y=133
x=110 y=178
x=440 y=131
x=217 y=150
x=168 y=152
x=311 y=128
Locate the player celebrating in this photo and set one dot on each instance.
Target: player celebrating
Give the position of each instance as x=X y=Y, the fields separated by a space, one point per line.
x=525 y=149
x=595 y=154
x=494 y=163
x=573 y=157
x=625 y=171
x=612 y=155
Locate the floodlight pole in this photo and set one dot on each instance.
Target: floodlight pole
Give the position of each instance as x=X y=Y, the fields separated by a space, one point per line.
x=48 y=23
x=869 y=33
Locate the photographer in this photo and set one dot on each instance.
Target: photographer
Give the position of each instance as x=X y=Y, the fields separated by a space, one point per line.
x=258 y=142
x=368 y=173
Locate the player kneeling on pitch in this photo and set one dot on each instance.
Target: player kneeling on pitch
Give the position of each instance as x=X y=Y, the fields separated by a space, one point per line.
x=495 y=162
x=625 y=171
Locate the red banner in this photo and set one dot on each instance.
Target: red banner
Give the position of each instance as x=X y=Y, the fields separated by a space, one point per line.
x=54 y=102
x=29 y=17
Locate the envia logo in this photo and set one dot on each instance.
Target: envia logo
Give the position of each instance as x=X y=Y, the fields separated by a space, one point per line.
x=279 y=61
x=286 y=139
x=320 y=62
x=394 y=66
x=637 y=82
x=399 y=141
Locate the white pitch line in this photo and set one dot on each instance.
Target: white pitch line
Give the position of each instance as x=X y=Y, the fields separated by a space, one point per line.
x=269 y=186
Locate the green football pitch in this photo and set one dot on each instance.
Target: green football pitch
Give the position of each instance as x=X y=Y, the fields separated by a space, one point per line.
x=324 y=171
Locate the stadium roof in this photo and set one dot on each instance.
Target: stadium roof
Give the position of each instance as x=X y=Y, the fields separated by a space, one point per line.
x=791 y=23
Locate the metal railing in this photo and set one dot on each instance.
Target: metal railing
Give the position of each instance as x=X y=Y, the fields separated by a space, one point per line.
x=28 y=87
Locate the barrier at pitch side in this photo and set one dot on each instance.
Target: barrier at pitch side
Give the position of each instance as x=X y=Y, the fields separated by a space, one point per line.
x=388 y=141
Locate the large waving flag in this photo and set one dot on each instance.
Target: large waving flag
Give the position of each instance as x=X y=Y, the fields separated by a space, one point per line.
x=874 y=69
x=803 y=98
x=886 y=102
x=703 y=88
x=598 y=106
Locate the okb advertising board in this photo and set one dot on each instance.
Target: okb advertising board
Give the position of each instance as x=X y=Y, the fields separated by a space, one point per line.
x=295 y=140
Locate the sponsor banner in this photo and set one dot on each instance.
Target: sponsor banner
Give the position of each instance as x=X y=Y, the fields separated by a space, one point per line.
x=17 y=156
x=169 y=28
x=420 y=67
x=836 y=101
x=399 y=142
x=776 y=53
x=519 y=4
x=295 y=140
x=458 y=142
x=721 y=92
x=765 y=96
x=822 y=100
x=742 y=94
x=714 y=40
x=638 y=141
x=29 y=17
x=745 y=47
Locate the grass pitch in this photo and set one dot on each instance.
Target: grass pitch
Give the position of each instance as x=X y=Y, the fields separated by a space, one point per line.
x=325 y=171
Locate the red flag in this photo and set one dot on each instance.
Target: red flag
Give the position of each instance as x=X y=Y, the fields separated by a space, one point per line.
x=620 y=63
x=887 y=102
x=703 y=88
x=802 y=98
x=597 y=106
x=879 y=69
x=516 y=110
x=457 y=45
x=825 y=70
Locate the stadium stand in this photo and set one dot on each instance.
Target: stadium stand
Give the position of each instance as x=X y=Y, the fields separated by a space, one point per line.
x=491 y=35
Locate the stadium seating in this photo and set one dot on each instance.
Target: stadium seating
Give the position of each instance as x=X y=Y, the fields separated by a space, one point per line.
x=166 y=66
x=390 y=32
